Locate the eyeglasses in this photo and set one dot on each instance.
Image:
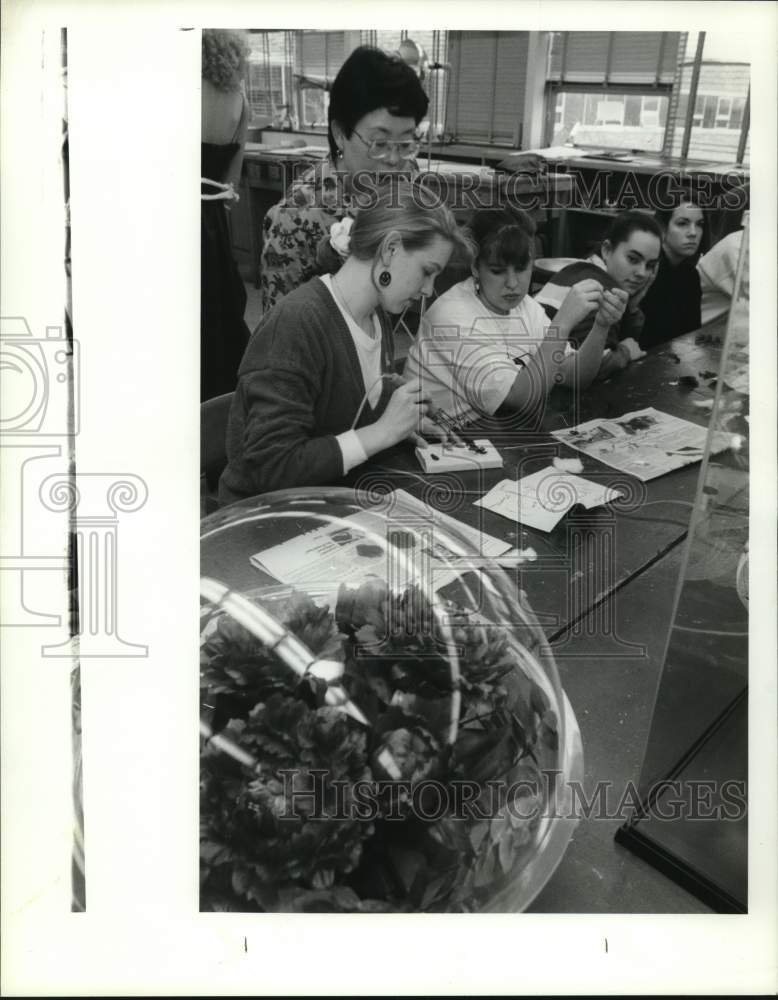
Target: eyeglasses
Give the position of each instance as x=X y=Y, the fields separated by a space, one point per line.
x=379 y=149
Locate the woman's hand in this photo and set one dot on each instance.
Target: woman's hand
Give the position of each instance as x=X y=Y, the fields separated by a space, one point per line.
x=583 y=299
x=404 y=412
x=439 y=431
x=638 y=297
x=612 y=307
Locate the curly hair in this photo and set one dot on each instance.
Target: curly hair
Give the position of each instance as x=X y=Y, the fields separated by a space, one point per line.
x=224 y=58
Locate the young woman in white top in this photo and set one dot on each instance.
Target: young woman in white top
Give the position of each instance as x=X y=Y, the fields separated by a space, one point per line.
x=486 y=346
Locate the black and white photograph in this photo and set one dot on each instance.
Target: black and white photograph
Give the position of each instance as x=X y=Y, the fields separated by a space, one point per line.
x=451 y=499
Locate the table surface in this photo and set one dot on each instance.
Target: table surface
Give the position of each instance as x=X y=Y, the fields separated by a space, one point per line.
x=645 y=163
x=607 y=619
x=568 y=580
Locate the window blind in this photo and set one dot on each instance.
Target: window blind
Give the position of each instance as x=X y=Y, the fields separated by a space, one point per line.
x=266 y=72
x=614 y=57
x=487 y=86
x=319 y=54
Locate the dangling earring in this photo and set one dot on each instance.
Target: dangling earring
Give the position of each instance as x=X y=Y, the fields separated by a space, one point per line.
x=384 y=279
x=477 y=284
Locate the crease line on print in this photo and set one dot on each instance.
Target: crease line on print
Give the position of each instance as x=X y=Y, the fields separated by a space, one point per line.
x=78 y=865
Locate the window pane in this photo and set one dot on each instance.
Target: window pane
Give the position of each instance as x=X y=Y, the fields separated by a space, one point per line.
x=315 y=103
x=724 y=80
x=606 y=120
x=634 y=109
x=267 y=76
x=736 y=118
x=709 y=115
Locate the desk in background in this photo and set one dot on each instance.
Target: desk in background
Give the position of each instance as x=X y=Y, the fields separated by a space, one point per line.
x=604 y=185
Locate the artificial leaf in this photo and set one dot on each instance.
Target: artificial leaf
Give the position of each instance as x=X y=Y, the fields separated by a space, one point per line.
x=407 y=863
x=506 y=852
x=477 y=834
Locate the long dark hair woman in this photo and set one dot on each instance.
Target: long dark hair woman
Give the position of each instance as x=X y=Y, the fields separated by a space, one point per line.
x=672 y=304
x=627 y=263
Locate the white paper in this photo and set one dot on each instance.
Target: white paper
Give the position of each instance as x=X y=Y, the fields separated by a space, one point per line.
x=368 y=543
x=645 y=443
x=541 y=500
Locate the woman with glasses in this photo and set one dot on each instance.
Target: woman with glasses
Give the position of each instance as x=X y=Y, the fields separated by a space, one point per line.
x=316 y=391
x=376 y=104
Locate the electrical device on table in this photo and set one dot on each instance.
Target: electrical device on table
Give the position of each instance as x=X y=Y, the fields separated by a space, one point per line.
x=460 y=457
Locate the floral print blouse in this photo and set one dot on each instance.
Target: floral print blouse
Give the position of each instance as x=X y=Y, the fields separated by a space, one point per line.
x=293 y=229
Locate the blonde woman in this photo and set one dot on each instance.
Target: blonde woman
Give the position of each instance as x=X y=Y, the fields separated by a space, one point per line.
x=316 y=395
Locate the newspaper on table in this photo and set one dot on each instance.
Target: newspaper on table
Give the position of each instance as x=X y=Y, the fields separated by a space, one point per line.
x=352 y=547
x=645 y=443
x=541 y=500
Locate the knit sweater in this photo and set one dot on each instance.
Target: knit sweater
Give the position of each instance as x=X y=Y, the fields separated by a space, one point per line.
x=299 y=385
x=553 y=294
x=672 y=303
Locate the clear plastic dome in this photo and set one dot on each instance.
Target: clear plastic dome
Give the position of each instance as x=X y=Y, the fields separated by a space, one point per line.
x=383 y=727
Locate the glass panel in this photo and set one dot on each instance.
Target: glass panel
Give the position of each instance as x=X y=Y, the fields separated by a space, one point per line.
x=699 y=733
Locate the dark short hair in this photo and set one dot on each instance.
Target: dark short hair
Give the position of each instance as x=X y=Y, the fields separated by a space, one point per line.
x=627 y=223
x=503 y=236
x=368 y=80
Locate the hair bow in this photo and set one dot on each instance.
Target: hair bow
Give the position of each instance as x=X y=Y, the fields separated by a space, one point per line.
x=340 y=236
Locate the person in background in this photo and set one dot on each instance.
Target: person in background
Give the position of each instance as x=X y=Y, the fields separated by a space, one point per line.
x=627 y=263
x=671 y=306
x=485 y=346
x=376 y=103
x=717 y=270
x=317 y=394
x=225 y=113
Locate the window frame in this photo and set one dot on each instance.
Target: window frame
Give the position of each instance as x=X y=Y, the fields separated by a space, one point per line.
x=555 y=88
x=695 y=64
